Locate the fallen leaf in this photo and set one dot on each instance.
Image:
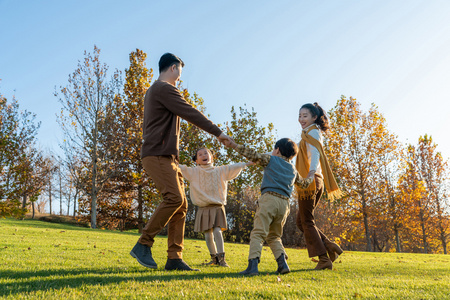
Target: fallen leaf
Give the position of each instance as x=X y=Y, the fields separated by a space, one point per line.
x=314 y=260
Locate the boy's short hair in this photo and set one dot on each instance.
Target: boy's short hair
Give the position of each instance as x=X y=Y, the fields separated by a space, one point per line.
x=167 y=60
x=288 y=147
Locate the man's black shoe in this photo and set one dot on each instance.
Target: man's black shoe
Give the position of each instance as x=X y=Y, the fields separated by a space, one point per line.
x=143 y=255
x=178 y=264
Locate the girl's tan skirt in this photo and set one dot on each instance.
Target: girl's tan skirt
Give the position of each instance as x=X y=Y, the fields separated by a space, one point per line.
x=209 y=217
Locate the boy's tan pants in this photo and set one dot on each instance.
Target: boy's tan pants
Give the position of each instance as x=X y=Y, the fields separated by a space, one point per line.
x=270 y=218
x=166 y=175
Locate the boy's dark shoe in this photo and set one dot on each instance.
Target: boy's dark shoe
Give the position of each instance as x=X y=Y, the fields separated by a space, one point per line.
x=252 y=268
x=283 y=267
x=143 y=255
x=178 y=264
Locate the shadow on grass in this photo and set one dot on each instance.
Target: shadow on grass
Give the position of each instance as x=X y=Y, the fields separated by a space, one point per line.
x=44 y=280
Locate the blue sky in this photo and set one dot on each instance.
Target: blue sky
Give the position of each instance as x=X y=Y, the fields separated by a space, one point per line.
x=270 y=55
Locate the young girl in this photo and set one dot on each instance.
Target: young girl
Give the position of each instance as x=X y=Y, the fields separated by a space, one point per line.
x=208 y=190
x=312 y=163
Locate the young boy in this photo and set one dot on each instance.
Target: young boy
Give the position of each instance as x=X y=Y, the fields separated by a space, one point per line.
x=273 y=206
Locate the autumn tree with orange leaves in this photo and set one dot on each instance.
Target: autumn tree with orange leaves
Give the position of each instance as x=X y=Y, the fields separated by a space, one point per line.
x=431 y=169
x=130 y=188
x=358 y=147
x=243 y=191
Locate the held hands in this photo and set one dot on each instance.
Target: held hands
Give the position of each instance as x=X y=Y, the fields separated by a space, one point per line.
x=308 y=180
x=224 y=139
x=305 y=182
x=311 y=174
x=227 y=140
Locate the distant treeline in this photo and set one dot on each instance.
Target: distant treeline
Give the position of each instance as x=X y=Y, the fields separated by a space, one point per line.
x=396 y=196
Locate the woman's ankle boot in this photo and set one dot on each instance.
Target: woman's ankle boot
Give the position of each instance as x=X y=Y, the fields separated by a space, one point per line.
x=333 y=249
x=324 y=263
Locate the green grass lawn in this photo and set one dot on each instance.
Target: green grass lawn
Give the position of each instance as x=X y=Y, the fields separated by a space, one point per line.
x=55 y=261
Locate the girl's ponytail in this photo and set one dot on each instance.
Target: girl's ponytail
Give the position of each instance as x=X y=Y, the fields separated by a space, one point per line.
x=322 y=119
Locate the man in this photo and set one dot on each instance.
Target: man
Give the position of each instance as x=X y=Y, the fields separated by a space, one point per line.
x=163 y=107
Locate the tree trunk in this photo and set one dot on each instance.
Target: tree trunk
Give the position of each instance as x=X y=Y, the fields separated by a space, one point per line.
x=75 y=199
x=60 y=193
x=32 y=208
x=94 y=177
x=24 y=201
x=397 y=238
x=422 y=224
x=440 y=227
x=68 y=205
x=444 y=242
x=366 y=225
x=50 y=195
x=442 y=234
x=94 y=199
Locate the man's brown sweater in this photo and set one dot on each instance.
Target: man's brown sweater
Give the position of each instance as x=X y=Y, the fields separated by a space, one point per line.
x=163 y=107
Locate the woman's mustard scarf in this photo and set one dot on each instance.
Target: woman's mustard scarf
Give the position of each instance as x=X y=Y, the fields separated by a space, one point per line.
x=302 y=165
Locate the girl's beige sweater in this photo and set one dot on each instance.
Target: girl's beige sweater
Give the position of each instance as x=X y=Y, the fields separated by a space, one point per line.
x=208 y=184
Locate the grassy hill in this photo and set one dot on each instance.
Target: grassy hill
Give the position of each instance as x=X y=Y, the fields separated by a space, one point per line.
x=56 y=261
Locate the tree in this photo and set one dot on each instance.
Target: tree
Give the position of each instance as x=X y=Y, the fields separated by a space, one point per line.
x=86 y=119
x=243 y=191
x=354 y=146
x=433 y=171
x=133 y=180
x=393 y=209
x=411 y=194
x=19 y=158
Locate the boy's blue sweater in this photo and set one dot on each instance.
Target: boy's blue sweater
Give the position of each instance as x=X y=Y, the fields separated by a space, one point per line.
x=279 y=177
